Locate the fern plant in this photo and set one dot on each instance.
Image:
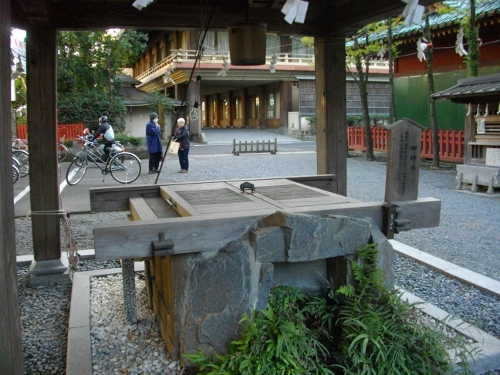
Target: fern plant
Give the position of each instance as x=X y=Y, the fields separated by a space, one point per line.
x=275 y=341
x=381 y=334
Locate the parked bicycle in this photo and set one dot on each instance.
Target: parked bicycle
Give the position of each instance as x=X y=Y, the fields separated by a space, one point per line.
x=123 y=166
x=22 y=159
x=62 y=152
x=15 y=170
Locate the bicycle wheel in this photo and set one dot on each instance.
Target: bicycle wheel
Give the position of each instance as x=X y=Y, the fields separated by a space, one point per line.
x=15 y=174
x=23 y=158
x=125 y=167
x=76 y=170
x=62 y=151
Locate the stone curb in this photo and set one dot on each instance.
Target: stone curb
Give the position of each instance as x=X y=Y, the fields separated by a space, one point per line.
x=488 y=357
x=451 y=270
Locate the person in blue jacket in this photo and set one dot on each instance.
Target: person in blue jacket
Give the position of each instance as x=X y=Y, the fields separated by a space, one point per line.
x=181 y=135
x=153 y=137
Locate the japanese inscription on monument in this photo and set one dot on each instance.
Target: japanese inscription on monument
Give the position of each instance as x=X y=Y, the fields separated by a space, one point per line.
x=403 y=160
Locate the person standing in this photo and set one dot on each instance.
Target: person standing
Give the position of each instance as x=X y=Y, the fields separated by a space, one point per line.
x=181 y=135
x=153 y=137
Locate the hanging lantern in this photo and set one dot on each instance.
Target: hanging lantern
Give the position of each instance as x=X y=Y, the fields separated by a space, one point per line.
x=247 y=43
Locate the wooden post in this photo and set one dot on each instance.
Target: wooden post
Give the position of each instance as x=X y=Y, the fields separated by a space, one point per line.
x=331 y=132
x=403 y=161
x=11 y=349
x=42 y=139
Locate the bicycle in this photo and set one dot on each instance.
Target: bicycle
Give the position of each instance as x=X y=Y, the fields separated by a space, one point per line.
x=62 y=152
x=22 y=158
x=123 y=166
x=15 y=170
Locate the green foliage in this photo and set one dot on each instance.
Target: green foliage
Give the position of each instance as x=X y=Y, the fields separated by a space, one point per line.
x=124 y=139
x=87 y=65
x=381 y=334
x=371 y=332
x=88 y=106
x=274 y=341
x=157 y=100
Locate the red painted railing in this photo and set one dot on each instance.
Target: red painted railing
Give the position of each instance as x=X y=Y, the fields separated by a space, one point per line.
x=64 y=131
x=451 y=142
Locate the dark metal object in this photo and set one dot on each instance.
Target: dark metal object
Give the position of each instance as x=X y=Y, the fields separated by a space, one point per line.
x=247 y=186
x=163 y=246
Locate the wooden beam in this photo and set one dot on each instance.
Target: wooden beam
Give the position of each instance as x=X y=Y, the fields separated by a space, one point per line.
x=11 y=349
x=213 y=232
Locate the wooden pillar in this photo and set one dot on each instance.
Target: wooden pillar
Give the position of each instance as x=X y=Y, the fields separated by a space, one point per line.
x=193 y=97
x=11 y=349
x=42 y=140
x=331 y=131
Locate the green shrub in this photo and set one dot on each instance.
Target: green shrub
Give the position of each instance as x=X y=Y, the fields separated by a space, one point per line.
x=382 y=334
x=371 y=332
x=124 y=139
x=274 y=341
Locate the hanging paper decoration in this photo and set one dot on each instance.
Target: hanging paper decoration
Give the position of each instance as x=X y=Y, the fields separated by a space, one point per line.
x=295 y=10
x=460 y=43
x=381 y=52
x=478 y=111
x=225 y=68
x=469 y=110
x=486 y=110
x=272 y=63
x=422 y=45
x=498 y=112
x=167 y=77
x=413 y=12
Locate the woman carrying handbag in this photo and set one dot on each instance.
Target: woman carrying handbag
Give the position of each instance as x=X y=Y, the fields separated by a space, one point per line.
x=181 y=136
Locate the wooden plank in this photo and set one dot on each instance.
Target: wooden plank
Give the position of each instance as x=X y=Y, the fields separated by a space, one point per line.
x=11 y=348
x=196 y=199
x=212 y=232
x=140 y=210
x=160 y=207
x=190 y=234
x=422 y=213
x=116 y=198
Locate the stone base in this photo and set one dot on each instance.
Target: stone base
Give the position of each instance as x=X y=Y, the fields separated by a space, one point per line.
x=53 y=271
x=478 y=175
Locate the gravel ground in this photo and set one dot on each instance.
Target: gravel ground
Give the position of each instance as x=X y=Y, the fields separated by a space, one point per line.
x=468 y=236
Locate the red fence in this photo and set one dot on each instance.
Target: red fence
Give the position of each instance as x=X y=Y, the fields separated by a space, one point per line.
x=66 y=131
x=451 y=142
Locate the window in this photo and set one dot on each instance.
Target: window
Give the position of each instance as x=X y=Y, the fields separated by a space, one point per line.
x=254 y=107
x=273 y=105
x=239 y=109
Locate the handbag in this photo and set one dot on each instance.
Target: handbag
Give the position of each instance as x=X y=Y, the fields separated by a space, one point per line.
x=173 y=148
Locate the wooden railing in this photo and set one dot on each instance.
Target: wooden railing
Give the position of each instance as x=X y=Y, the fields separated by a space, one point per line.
x=216 y=57
x=64 y=131
x=451 y=142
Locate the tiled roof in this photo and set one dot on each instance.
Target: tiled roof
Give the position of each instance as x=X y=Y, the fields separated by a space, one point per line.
x=472 y=88
x=484 y=9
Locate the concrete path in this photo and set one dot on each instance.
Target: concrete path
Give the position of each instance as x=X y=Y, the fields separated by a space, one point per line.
x=225 y=136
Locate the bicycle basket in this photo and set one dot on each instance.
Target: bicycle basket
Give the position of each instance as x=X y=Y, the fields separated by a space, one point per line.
x=77 y=147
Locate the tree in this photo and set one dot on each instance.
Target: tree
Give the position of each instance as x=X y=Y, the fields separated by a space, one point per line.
x=430 y=83
x=472 y=35
x=87 y=65
x=360 y=54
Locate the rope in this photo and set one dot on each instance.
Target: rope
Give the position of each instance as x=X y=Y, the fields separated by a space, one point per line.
x=69 y=241
x=199 y=54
